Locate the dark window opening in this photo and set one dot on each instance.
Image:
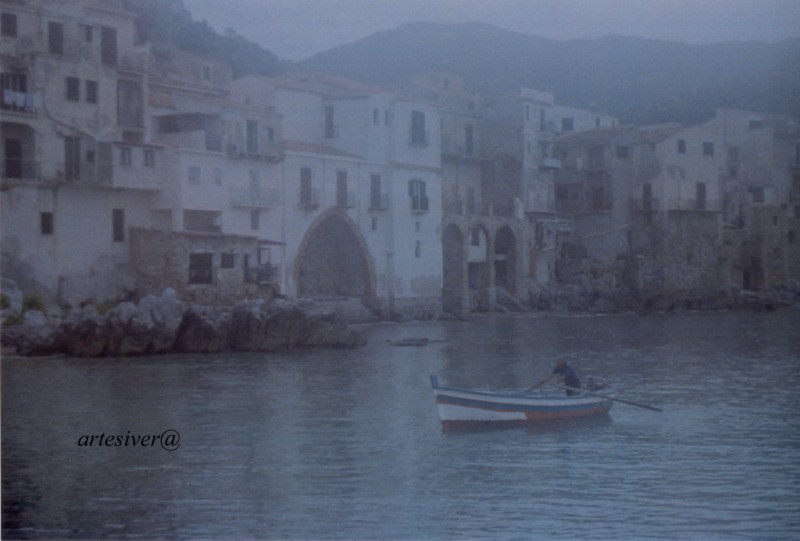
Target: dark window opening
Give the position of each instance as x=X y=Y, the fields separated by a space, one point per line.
x=108 y=45
x=418 y=128
x=200 y=268
x=72 y=158
x=91 y=91
x=118 y=222
x=55 y=38
x=9 y=25
x=329 y=127
x=73 y=89
x=46 y=223
x=228 y=261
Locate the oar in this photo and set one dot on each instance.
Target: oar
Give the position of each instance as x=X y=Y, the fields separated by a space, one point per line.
x=645 y=406
x=529 y=389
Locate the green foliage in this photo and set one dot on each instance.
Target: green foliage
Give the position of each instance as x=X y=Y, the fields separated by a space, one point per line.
x=167 y=22
x=32 y=302
x=14 y=319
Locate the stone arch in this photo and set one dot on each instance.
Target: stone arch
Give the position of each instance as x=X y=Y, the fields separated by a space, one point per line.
x=454 y=274
x=505 y=259
x=333 y=260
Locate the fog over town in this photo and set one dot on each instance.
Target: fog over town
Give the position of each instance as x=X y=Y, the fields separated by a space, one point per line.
x=285 y=269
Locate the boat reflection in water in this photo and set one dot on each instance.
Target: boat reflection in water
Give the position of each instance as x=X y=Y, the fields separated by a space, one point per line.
x=469 y=408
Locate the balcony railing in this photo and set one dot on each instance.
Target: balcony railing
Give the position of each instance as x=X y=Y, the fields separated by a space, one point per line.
x=242 y=196
x=644 y=205
x=419 y=203
x=711 y=205
x=550 y=163
x=12 y=168
x=309 y=201
x=24 y=102
x=379 y=201
x=346 y=200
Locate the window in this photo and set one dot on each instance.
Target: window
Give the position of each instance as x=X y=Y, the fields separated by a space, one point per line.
x=194 y=174
x=149 y=158
x=418 y=128
x=200 y=271
x=475 y=237
x=118 y=224
x=255 y=220
x=375 y=192
x=90 y=156
x=8 y=26
x=469 y=139
x=228 y=261
x=567 y=124
x=125 y=155
x=623 y=152
x=252 y=137
x=681 y=146
x=376 y=116
x=419 y=199
x=73 y=89
x=108 y=45
x=88 y=33
x=130 y=104
x=341 y=189
x=708 y=149
x=700 y=203
x=55 y=38
x=418 y=249
x=306 y=193
x=46 y=223
x=72 y=158
x=91 y=91
x=329 y=128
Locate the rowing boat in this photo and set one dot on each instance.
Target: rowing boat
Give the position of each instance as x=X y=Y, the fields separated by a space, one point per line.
x=466 y=407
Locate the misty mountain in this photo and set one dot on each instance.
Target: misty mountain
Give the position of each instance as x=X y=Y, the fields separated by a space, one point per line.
x=640 y=80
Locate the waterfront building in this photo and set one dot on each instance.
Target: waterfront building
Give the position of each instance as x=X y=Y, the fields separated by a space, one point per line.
x=362 y=180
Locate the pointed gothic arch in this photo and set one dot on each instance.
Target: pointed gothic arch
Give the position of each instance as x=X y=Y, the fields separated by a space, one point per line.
x=333 y=260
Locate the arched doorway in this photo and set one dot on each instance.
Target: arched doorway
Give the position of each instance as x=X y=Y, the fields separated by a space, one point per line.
x=505 y=260
x=332 y=261
x=453 y=271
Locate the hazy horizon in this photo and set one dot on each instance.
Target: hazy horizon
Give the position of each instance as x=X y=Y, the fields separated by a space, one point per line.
x=298 y=29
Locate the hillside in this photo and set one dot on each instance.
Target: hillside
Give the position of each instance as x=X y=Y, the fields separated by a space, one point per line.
x=640 y=80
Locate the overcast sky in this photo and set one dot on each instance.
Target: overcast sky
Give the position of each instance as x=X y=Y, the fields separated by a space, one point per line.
x=297 y=29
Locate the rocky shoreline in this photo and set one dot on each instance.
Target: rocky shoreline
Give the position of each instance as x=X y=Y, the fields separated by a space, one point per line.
x=164 y=324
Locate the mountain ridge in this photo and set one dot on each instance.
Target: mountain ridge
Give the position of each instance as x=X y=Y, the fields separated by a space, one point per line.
x=641 y=80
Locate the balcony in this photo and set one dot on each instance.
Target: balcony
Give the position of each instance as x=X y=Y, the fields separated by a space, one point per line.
x=21 y=102
x=19 y=169
x=644 y=205
x=309 y=200
x=245 y=197
x=379 y=201
x=549 y=163
x=346 y=200
x=267 y=151
x=707 y=205
x=419 y=203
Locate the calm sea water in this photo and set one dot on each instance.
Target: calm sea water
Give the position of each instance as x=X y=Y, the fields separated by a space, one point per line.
x=347 y=445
